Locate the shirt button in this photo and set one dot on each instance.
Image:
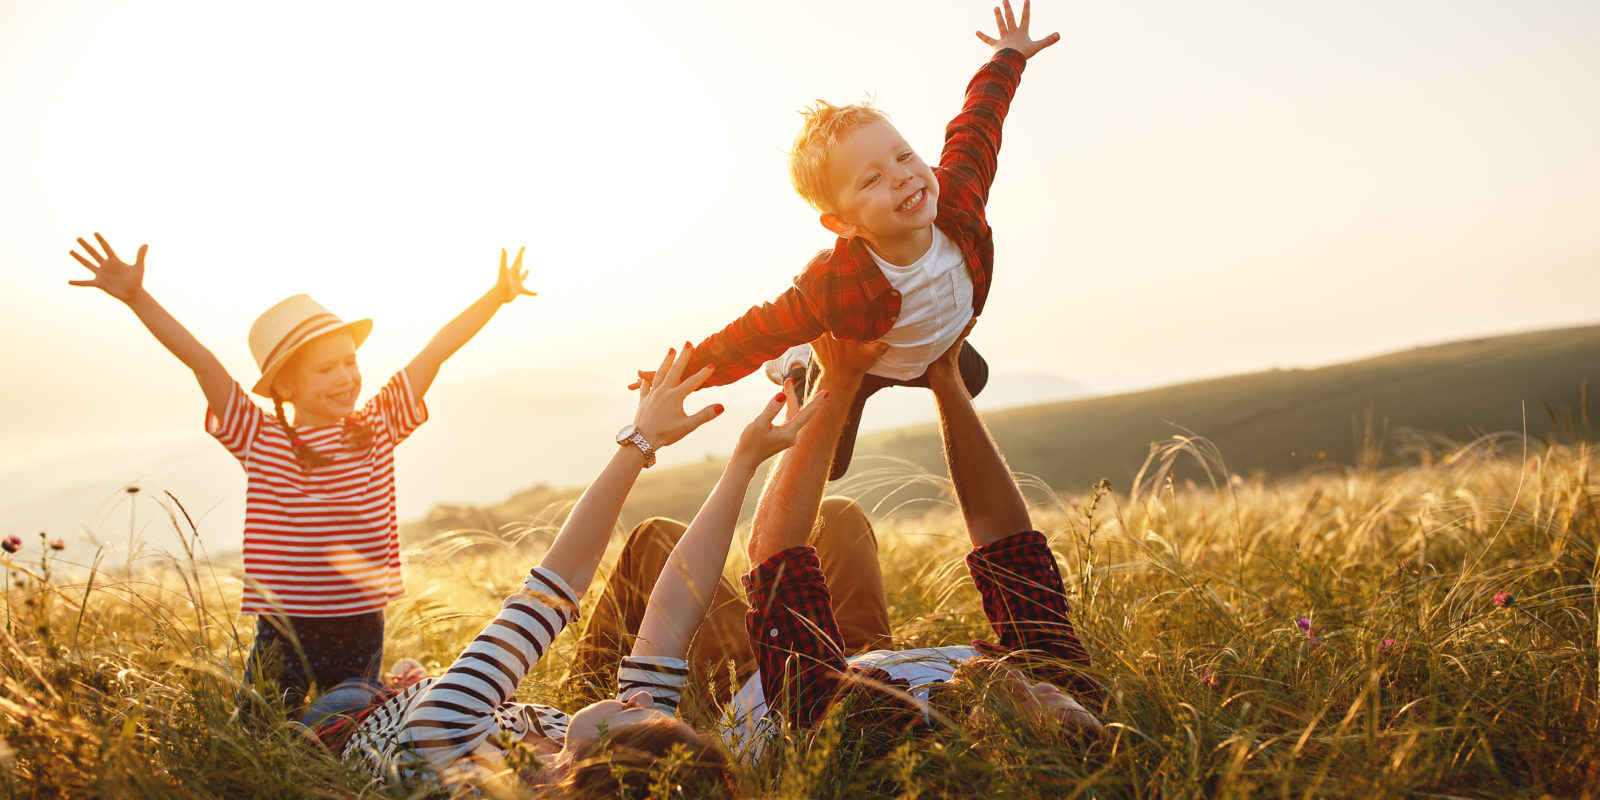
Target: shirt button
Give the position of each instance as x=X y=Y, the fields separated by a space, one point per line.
x=894 y=317
x=772 y=634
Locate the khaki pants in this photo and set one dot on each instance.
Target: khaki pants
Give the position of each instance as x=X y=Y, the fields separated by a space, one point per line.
x=720 y=658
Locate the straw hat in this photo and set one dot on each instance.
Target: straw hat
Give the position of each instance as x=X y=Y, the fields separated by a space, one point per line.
x=288 y=326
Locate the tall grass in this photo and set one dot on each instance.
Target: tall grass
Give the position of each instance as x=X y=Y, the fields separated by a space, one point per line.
x=1426 y=630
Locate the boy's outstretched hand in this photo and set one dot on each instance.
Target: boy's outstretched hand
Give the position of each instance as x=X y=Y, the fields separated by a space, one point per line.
x=111 y=274
x=1014 y=34
x=509 y=284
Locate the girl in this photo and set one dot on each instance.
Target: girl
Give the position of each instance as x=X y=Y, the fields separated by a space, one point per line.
x=321 y=546
x=464 y=726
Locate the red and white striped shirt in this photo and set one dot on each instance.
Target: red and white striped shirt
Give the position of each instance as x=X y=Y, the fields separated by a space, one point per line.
x=324 y=543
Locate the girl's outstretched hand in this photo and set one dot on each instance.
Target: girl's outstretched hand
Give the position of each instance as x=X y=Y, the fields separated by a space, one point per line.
x=111 y=274
x=509 y=284
x=661 y=417
x=762 y=440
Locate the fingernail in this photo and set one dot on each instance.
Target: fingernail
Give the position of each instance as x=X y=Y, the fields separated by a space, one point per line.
x=824 y=394
x=779 y=398
x=717 y=408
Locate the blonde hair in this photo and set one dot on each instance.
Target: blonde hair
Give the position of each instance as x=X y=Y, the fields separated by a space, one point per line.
x=825 y=127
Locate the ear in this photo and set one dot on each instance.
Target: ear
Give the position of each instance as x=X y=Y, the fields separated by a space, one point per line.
x=839 y=225
x=281 y=388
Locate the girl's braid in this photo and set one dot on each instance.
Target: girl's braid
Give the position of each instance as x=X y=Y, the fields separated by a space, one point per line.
x=308 y=457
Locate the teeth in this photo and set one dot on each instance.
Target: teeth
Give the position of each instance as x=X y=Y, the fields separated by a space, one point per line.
x=912 y=200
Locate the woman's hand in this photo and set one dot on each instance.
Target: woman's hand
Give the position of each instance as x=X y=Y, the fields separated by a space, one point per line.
x=111 y=274
x=661 y=418
x=762 y=440
x=509 y=285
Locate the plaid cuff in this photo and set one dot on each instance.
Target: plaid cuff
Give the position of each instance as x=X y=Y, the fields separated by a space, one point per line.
x=795 y=636
x=1026 y=603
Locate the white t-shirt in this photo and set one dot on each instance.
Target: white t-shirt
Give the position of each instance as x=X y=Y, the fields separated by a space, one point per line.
x=935 y=304
x=919 y=668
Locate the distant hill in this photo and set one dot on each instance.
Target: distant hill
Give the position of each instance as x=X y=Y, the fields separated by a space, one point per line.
x=1277 y=422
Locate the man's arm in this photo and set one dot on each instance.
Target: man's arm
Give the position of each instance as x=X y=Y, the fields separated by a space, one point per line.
x=790 y=622
x=987 y=494
x=457 y=332
x=1016 y=575
x=972 y=139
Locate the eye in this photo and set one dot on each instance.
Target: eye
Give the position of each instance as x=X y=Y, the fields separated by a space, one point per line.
x=869 y=181
x=904 y=157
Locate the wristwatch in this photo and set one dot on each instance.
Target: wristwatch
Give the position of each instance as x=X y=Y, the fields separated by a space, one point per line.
x=630 y=435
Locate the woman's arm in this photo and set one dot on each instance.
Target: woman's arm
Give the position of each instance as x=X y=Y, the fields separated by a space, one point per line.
x=683 y=591
x=126 y=283
x=576 y=552
x=457 y=332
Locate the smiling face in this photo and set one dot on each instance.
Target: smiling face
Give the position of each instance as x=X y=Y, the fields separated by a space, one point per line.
x=882 y=191
x=609 y=716
x=322 y=380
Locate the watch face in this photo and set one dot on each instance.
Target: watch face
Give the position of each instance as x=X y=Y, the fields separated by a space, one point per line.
x=627 y=433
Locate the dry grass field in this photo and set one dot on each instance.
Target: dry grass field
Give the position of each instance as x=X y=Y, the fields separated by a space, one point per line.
x=1429 y=628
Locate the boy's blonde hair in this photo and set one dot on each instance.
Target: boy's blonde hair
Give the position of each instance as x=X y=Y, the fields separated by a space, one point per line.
x=825 y=126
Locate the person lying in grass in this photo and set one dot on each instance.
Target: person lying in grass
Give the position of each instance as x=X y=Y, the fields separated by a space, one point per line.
x=1036 y=674
x=820 y=600
x=464 y=725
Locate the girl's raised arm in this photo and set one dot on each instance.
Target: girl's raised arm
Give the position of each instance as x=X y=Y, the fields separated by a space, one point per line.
x=682 y=593
x=457 y=332
x=126 y=283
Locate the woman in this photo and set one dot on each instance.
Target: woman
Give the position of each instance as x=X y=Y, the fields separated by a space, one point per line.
x=464 y=725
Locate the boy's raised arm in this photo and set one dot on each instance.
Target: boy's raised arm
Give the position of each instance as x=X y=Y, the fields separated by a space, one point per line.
x=972 y=139
x=457 y=332
x=1014 y=33
x=125 y=282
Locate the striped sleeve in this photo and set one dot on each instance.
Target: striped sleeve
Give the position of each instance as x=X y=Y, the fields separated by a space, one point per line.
x=239 y=423
x=457 y=712
x=662 y=676
x=397 y=408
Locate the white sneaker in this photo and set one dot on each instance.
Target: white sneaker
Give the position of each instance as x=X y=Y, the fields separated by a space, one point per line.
x=779 y=368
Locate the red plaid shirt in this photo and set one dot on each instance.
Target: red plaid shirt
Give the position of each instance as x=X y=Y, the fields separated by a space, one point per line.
x=842 y=290
x=799 y=648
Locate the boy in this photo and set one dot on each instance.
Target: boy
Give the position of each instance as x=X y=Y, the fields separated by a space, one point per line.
x=915 y=255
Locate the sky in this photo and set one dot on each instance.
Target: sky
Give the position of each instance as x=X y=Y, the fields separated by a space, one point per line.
x=1185 y=189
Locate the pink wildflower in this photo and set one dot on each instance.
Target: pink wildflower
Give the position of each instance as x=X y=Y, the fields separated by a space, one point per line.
x=1388 y=645
x=1311 y=633
x=1209 y=680
x=1502 y=599
x=58 y=543
x=12 y=543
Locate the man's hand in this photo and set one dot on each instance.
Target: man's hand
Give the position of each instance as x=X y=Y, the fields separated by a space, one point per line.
x=111 y=274
x=1014 y=35
x=844 y=360
x=509 y=284
x=948 y=364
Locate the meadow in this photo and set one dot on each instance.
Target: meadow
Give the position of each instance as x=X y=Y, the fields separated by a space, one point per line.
x=1427 y=628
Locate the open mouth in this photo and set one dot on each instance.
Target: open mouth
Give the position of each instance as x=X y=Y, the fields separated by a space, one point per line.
x=913 y=201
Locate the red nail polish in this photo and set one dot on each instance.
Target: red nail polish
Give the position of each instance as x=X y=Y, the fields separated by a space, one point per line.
x=717 y=408
x=824 y=394
x=779 y=398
